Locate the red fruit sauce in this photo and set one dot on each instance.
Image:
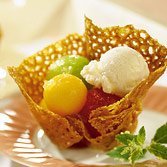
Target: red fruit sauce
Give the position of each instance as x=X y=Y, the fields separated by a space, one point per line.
x=96 y=98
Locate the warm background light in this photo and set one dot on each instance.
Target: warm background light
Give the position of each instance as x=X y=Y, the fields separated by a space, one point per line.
x=29 y=25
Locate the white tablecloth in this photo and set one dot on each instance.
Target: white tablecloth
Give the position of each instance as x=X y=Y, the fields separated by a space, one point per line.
x=30 y=25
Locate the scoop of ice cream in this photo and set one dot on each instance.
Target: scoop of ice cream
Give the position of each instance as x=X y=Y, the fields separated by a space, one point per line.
x=118 y=71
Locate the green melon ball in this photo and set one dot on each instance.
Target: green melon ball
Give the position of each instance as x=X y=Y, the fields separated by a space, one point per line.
x=72 y=64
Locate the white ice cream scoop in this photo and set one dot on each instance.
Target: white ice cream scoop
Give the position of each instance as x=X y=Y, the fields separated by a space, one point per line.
x=118 y=71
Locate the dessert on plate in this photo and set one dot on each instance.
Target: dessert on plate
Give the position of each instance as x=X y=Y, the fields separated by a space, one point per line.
x=86 y=89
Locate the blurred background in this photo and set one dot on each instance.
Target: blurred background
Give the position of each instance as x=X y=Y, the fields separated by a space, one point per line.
x=29 y=25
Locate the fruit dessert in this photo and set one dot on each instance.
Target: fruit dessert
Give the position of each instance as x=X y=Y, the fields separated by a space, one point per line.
x=88 y=88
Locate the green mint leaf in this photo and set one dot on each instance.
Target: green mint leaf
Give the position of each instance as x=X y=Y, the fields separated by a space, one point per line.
x=141 y=136
x=158 y=150
x=134 y=150
x=133 y=145
x=161 y=135
x=117 y=153
x=125 y=138
x=137 y=154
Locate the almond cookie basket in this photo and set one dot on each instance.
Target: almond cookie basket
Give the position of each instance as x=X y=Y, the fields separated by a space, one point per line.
x=109 y=120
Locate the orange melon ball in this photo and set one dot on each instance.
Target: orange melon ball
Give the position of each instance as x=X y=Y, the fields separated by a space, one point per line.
x=65 y=94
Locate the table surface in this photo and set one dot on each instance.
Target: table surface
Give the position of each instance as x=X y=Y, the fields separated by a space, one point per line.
x=60 y=18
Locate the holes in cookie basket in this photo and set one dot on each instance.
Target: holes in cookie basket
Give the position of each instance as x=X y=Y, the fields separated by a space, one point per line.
x=144 y=49
x=156 y=58
x=94 y=37
x=98 y=32
x=59 y=56
x=50 y=50
x=69 y=52
x=38 y=59
x=107 y=41
x=153 y=67
x=37 y=68
x=97 y=55
x=80 y=49
x=98 y=50
x=147 y=58
x=113 y=33
x=59 y=49
x=119 y=44
x=53 y=56
x=66 y=41
x=99 y=40
x=47 y=58
x=151 y=50
x=113 y=41
x=74 y=52
x=94 y=45
x=75 y=45
x=135 y=43
x=47 y=62
x=26 y=67
x=144 y=35
x=104 y=48
x=141 y=40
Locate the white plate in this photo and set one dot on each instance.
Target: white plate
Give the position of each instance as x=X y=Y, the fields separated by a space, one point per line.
x=27 y=144
x=151 y=120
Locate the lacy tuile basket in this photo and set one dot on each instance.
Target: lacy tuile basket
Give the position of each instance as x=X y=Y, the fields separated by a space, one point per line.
x=107 y=120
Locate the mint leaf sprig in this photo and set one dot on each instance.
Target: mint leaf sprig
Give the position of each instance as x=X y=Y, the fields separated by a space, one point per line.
x=134 y=148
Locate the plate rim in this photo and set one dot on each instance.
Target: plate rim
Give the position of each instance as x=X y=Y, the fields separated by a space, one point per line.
x=63 y=162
